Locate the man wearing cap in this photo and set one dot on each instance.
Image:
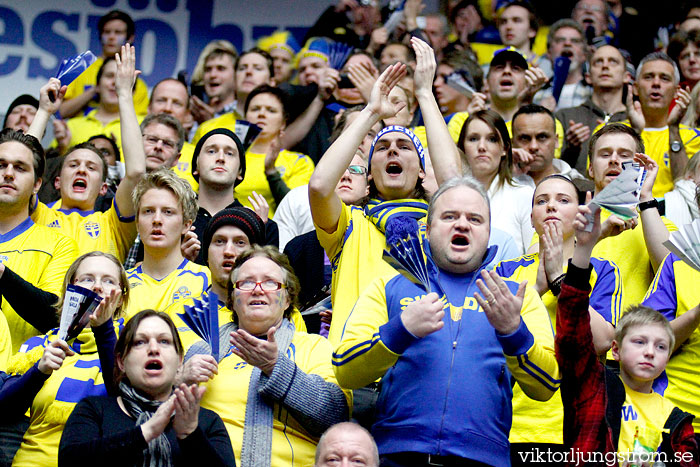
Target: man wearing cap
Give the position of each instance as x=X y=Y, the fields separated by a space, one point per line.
x=218 y=167
x=354 y=238
x=20 y=113
x=511 y=82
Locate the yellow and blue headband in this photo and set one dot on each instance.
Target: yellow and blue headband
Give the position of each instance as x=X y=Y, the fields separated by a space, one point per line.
x=400 y=129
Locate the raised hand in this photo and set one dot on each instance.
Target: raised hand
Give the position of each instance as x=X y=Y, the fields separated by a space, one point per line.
x=363 y=78
x=260 y=206
x=53 y=356
x=682 y=99
x=51 y=96
x=328 y=82
x=257 y=352
x=157 y=424
x=652 y=167
x=425 y=66
x=534 y=80
x=553 y=253
x=477 y=102
x=126 y=70
x=379 y=103
x=105 y=310
x=200 y=111
x=577 y=133
x=187 y=399
x=583 y=218
x=502 y=308
x=634 y=111
x=424 y=316
x=190 y=245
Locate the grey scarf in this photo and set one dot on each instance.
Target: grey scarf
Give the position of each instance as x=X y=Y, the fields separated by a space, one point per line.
x=157 y=454
x=257 y=430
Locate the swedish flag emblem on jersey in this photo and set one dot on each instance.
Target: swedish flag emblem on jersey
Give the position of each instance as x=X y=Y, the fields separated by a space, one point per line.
x=92 y=229
x=182 y=293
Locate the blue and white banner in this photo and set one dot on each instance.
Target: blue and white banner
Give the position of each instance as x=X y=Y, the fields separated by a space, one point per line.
x=35 y=35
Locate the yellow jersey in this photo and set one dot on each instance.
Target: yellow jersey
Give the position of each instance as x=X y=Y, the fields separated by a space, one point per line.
x=41 y=256
x=88 y=79
x=656 y=145
x=187 y=280
x=355 y=251
x=80 y=376
x=294 y=168
x=107 y=231
x=543 y=422
x=227 y=395
x=674 y=292
x=643 y=419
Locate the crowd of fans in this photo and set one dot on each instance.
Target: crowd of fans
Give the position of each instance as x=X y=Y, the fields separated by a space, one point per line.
x=389 y=224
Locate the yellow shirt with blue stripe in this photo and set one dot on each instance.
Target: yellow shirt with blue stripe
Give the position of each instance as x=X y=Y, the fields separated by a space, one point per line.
x=187 y=280
x=41 y=256
x=294 y=168
x=88 y=79
x=675 y=291
x=543 y=422
x=80 y=376
x=656 y=146
x=355 y=252
x=628 y=251
x=107 y=231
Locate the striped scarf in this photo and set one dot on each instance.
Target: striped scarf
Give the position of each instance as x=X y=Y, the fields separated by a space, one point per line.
x=385 y=213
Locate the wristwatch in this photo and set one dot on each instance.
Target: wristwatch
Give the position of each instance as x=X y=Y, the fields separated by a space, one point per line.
x=675 y=146
x=652 y=203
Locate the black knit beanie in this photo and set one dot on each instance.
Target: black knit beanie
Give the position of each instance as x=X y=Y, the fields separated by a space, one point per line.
x=243 y=218
x=239 y=146
x=24 y=99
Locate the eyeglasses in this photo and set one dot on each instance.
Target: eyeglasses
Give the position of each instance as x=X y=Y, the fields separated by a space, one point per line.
x=593 y=8
x=153 y=140
x=357 y=169
x=266 y=285
x=573 y=40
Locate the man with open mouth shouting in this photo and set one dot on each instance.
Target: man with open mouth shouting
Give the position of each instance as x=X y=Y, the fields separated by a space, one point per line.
x=353 y=238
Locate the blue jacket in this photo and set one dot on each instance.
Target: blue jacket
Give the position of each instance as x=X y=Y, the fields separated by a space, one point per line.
x=448 y=393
